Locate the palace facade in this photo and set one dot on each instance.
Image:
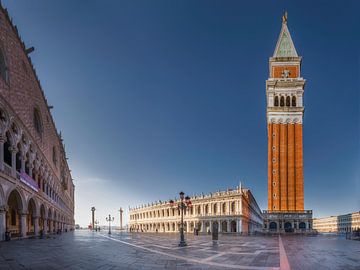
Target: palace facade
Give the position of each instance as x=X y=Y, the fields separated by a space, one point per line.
x=285 y=112
x=338 y=224
x=233 y=211
x=36 y=188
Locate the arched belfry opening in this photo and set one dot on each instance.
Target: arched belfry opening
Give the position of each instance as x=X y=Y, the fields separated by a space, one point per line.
x=276 y=101
x=282 y=101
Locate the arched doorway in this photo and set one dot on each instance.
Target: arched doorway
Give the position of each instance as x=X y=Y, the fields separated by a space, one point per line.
x=192 y=226
x=199 y=226
x=207 y=226
x=31 y=217
x=288 y=227
x=224 y=226
x=233 y=226
x=13 y=218
x=215 y=226
x=273 y=226
x=302 y=226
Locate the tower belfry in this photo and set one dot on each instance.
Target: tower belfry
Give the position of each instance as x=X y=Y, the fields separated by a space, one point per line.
x=284 y=92
x=285 y=113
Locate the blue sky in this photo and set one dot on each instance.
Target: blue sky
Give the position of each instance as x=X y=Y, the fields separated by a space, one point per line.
x=154 y=97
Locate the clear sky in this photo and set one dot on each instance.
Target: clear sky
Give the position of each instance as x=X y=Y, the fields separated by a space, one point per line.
x=154 y=97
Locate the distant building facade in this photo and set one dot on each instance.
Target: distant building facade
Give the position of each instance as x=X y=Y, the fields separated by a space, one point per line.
x=338 y=224
x=234 y=211
x=285 y=111
x=36 y=188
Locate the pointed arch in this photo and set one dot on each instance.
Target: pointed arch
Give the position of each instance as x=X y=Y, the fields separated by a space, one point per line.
x=15 y=202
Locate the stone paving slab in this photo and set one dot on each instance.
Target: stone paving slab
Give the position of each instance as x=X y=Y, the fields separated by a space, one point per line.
x=91 y=250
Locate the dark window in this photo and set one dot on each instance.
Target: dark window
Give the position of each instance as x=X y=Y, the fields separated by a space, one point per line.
x=293 y=101
x=233 y=207
x=37 y=121
x=7 y=153
x=3 y=67
x=54 y=156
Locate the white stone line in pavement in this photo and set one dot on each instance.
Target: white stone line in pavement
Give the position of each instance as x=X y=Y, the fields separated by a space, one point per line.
x=284 y=262
x=212 y=257
x=191 y=259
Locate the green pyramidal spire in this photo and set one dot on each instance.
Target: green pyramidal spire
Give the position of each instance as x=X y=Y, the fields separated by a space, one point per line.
x=285 y=46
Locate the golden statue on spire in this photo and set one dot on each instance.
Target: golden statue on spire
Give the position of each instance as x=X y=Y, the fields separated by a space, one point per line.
x=284 y=17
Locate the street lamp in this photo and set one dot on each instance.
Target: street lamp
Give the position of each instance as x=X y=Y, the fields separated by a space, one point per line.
x=97 y=225
x=110 y=219
x=182 y=205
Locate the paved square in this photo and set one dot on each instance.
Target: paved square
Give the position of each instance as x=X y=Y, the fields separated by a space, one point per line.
x=88 y=250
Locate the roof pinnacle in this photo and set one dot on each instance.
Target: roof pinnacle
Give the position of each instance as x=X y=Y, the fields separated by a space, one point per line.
x=284 y=17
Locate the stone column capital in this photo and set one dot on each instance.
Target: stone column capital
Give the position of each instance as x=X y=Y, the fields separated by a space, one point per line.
x=13 y=149
x=4 y=208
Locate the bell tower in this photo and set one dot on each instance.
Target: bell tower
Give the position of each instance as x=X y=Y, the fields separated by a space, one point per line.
x=285 y=111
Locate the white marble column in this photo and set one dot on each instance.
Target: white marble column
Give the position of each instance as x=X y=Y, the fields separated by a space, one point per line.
x=13 y=161
x=228 y=226
x=220 y=226
x=2 y=222
x=240 y=206
x=23 y=224
x=36 y=225
x=239 y=225
x=22 y=169
x=31 y=168
x=203 y=229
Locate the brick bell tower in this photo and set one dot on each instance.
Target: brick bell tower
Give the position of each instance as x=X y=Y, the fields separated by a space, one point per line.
x=284 y=92
x=285 y=111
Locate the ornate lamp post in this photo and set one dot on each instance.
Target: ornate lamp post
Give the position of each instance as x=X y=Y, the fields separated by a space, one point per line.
x=182 y=205
x=110 y=219
x=96 y=225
